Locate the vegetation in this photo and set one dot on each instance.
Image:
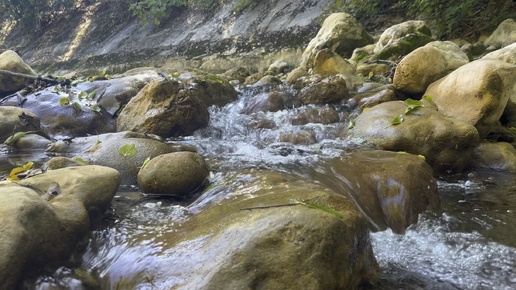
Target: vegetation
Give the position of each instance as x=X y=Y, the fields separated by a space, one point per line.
x=33 y=14
x=449 y=18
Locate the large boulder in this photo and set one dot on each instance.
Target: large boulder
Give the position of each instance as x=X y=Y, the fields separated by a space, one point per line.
x=503 y=35
x=390 y=189
x=427 y=64
x=446 y=143
x=175 y=174
x=275 y=231
x=110 y=154
x=14 y=120
x=106 y=150
x=495 y=156
x=209 y=88
x=330 y=90
x=507 y=54
x=38 y=230
x=113 y=94
x=11 y=61
x=401 y=39
x=476 y=93
x=164 y=108
x=397 y=32
x=327 y=63
x=340 y=33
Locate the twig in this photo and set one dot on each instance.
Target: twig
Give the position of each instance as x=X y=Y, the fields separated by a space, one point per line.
x=270 y=206
x=27 y=76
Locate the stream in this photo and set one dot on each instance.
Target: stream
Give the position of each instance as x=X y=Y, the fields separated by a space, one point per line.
x=469 y=244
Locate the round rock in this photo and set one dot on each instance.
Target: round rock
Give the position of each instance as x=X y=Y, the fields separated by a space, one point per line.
x=176 y=174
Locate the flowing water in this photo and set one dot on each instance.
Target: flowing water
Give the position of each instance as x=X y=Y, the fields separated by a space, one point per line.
x=469 y=244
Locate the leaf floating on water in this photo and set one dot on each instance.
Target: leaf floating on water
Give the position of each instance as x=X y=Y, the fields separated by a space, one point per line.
x=12 y=139
x=64 y=101
x=128 y=150
x=412 y=105
x=397 y=120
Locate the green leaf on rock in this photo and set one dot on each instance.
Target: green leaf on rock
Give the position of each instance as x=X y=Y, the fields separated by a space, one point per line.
x=412 y=105
x=428 y=98
x=351 y=124
x=82 y=95
x=77 y=106
x=64 y=101
x=398 y=120
x=128 y=150
x=13 y=138
x=96 y=108
x=323 y=208
x=91 y=95
x=145 y=162
x=79 y=159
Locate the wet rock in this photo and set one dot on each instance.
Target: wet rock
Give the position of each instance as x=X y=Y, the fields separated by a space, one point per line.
x=485 y=85
x=496 y=156
x=32 y=141
x=403 y=46
x=503 y=35
x=82 y=144
x=373 y=97
x=299 y=136
x=371 y=70
x=391 y=189
x=400 y=31
x=268 y=81
x=327 y=63
x=252 y=79
x=292 y=246
x=331 y=90
x=270 y=102
x=114 y=93
x=14 y=119
x=176 y=174
x=507 y=54
x=209 y=88
x=427 y=64
x=67 y=112
x=164 y=108
x=278 y=67
x=340 y=33
x=108 y=154
x=447 y=143
x=324 y=115
x=11 y=61
x=295 y=74
x=37 y=232
x=237 y=73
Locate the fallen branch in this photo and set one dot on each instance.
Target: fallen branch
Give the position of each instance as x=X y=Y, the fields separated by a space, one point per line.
x=27 y=76
x=270 y=206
